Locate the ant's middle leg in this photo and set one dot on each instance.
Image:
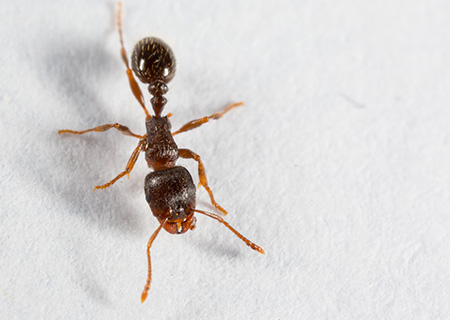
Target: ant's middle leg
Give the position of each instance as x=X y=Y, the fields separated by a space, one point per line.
x=198 y=122
x=129 y=167
x=104 y=127
x=188 y=154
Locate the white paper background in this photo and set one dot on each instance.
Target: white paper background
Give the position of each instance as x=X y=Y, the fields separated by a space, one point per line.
x=338 y=165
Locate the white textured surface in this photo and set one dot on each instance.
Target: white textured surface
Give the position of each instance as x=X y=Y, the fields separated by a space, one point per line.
x=338 y=165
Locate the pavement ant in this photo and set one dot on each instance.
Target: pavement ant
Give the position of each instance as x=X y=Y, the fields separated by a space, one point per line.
x=169 y=189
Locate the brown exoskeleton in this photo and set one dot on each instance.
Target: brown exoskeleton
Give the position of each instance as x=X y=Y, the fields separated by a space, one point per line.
x=169 y=188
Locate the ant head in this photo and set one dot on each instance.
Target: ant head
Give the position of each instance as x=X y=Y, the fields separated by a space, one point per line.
x=152 y=60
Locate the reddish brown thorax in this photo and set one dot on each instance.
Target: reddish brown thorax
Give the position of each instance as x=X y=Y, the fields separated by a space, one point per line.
x=162 y=151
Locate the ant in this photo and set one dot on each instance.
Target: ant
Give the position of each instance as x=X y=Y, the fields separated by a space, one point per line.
x=169 y=189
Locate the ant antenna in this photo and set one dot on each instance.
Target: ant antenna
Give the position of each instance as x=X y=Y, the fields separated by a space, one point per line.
x=240 y=236
x=149 y=277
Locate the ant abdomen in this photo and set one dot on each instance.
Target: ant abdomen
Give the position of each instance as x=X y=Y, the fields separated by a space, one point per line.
x=153 y=60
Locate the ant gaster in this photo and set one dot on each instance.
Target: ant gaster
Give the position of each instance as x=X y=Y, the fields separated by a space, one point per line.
x=169 y=189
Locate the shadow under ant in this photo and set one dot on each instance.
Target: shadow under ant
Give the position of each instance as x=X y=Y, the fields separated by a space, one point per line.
x=73 y=67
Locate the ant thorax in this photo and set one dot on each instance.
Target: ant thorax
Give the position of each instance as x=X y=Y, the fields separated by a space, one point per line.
x=161 y=151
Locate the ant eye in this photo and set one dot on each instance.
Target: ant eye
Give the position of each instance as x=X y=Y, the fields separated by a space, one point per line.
x=153 y=60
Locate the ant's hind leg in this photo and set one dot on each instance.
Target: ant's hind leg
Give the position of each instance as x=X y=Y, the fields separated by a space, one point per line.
x=129 y=167
x=198 y=122
x=133 y=84
x=104 y=127
x=188 y=154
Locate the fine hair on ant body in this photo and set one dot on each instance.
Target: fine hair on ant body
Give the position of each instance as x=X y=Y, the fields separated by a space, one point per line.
x=169 y=189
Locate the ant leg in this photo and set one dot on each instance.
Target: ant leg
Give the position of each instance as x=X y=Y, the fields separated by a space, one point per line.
x=149 y=277
x=133 y=84
x=188 y=154
x=129 y=167
x=198 y=122
x=240 y=236
x=104 y=127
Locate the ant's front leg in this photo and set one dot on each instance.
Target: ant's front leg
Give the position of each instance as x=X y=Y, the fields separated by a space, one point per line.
x=188 y=154
x=130 y=164
x=104 y=127
x=198 y=122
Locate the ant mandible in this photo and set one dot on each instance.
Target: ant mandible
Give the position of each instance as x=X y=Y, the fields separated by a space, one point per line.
x=169 y=189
